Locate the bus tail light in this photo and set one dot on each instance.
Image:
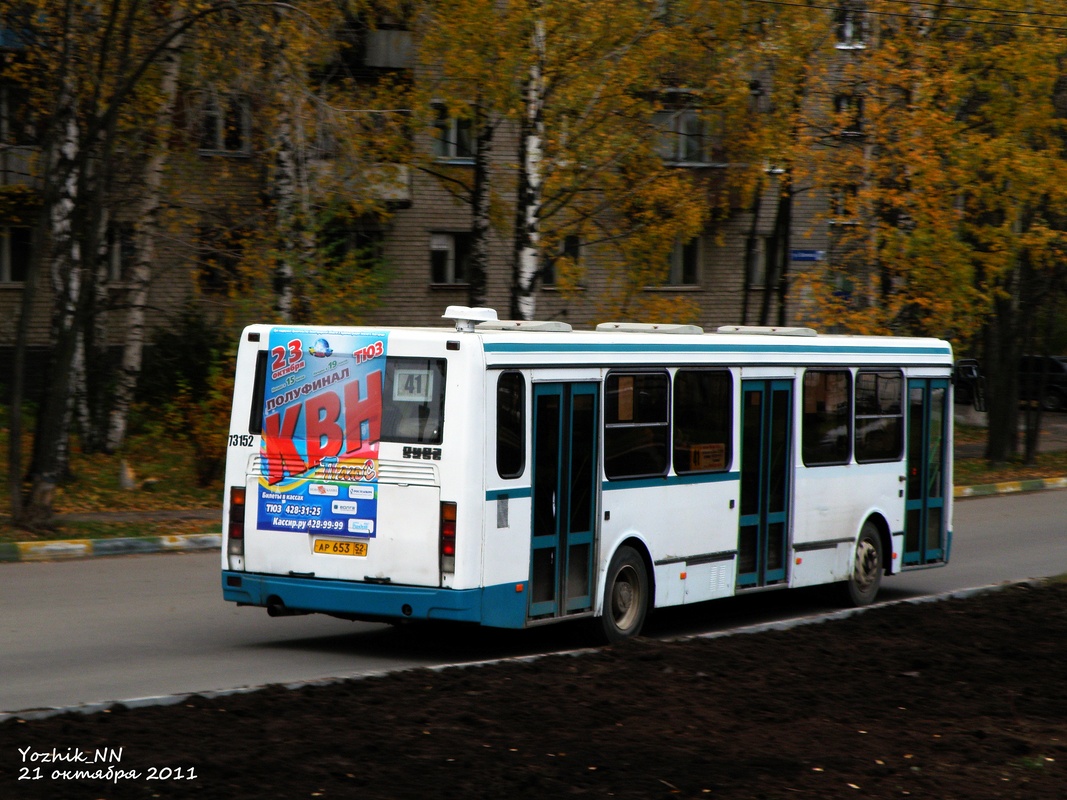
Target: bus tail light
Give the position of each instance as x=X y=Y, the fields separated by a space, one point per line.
x=448 y=537
x=236 y=530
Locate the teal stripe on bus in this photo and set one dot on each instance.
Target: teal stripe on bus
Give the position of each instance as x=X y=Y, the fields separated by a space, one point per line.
x=671 y=480
x=518 y=491
x=824 y=349
x=628 y=483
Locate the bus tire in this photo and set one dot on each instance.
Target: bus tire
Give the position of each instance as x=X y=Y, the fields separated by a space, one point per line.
x=626 y=596
x=867 y=567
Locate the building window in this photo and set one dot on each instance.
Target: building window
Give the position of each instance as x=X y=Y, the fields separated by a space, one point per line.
x=570 y=249
x=844 y=204
x=685 y=264
x=450 y=255
x=851 y=27
x=121 y=252
x=346 y=243
x=220 y=253
x=636 y=425
x=452 y=137
x=756 y=253
x=17 y=125
x=827 y=421
x=849 y=111
x=224 y=124
x=703 y=420
x=683 y=137
x=16 y=250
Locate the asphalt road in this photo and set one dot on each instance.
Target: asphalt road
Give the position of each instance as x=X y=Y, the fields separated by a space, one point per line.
x=123 y=628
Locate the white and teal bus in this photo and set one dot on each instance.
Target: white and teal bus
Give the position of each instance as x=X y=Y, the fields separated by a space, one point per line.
x=513 y=474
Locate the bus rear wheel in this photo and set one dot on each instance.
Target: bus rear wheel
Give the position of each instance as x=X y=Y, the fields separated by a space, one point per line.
x=867 y=568
x=626 y=596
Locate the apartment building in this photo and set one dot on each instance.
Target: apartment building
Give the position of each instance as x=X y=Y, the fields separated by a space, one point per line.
x=732 y=272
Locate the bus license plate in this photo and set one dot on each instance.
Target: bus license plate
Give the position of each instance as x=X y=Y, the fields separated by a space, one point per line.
x=337 y=547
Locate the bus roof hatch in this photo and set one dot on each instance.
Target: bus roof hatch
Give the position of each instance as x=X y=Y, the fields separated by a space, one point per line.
x=648 y=327
x=767 y=330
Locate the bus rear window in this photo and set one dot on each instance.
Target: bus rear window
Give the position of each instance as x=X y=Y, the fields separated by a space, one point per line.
x=413 y=404
x=255 y=413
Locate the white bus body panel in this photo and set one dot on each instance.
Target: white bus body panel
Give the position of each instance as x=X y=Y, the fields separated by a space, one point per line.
x=832 y=503
x=681 y=524
x=401 y=551
x=688 y=525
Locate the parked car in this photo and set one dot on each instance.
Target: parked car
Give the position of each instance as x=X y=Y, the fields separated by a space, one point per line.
x=1047 y=371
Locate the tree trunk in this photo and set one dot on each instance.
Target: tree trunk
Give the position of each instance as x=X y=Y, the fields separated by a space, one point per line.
x=1042 y=294
x=286 y=182
x=18 y=376
x=295 y=268
x=777 y=253
x=92 y=362
x=751 y=251
x=145 y=231
x=786 y=237
x=68 y=284
x=1001 y=368
x=528 y=205
x=480 y=198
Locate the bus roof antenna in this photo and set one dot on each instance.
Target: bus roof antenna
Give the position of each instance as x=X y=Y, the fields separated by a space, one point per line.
x=466 y=318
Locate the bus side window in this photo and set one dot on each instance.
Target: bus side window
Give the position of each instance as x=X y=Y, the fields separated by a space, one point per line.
x=703 y=420
x=827 y=431
x=510 y=425
x=636 y=425
x=879 y=416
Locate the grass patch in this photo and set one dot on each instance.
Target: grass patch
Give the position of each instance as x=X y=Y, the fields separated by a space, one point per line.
x=164 y=478
x=110 y=529
x=164 y=475
x=979 y=472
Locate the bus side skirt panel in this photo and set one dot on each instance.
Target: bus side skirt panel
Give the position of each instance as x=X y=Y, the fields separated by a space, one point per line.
x=497 y=606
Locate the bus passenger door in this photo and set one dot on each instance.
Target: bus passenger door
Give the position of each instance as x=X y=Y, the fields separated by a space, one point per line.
x=924 y=526
x=766 y=481
x=565 y=425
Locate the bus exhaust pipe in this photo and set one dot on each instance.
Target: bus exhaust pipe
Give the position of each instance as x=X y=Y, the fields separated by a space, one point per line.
x=277 y=608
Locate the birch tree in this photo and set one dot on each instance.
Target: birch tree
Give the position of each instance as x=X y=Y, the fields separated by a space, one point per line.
x=578 y=82
x=146 y=232
x=334 y=146
x=86 y=68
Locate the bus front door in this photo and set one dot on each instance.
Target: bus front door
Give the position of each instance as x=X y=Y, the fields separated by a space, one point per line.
x=924 y=526
x=766 y=482
x=565 y=473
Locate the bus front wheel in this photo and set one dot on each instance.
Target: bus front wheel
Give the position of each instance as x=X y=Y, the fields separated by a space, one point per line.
x=626 y=596
x=867 y=568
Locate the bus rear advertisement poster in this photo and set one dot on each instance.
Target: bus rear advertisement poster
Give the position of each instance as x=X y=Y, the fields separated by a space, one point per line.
x=322 y=410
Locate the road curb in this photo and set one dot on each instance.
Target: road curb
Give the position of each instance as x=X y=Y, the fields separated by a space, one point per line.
x=87 y=548
x=1010 y=487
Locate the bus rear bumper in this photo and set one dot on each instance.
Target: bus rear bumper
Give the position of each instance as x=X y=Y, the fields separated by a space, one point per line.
x=501 y=606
